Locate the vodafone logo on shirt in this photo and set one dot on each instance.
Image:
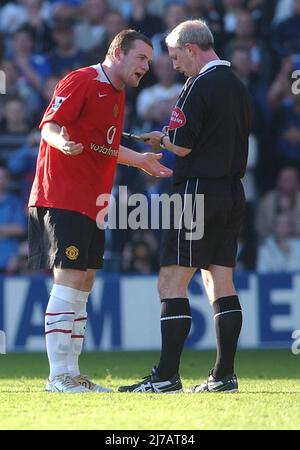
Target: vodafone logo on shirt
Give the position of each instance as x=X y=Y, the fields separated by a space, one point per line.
x=177 y=119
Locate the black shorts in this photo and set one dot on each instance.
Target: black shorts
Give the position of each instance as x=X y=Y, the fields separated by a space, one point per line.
x=63 y=239
x=223 y=217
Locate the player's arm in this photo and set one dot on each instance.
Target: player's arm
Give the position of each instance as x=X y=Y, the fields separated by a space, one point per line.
x=159 y=140
x=58 y=137
x=148 y=162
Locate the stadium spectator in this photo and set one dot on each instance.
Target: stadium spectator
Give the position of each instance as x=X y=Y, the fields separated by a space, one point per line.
x=64 y=57
x=283 y=10
x=174 y=13
x=241 y=64
x=18 y=263
x=34 y=67
x=16 y=126
x=140 y=254
x=231 y=9
x=280 y=252
x=16 y=14
x=16 y=86
x=89 y=31
x=243 y=67
x=246 y=36
x=247 y=241
x=207 y=10
x=113 y=23
x=280 y=90
x=22 y=163
x=287 y=125
x=48 y=89
x=285 y=198
x=12 y=221
x=68 y=9
x=141 y=19
x=155 y=103
x=286 y=36
x=38 y=23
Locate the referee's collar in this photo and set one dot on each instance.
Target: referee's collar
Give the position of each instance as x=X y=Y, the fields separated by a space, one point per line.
x=215 y=62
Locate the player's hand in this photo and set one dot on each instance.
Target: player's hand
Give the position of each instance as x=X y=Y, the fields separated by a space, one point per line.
x=153 y=138
x=68 y=147
x=152 y=166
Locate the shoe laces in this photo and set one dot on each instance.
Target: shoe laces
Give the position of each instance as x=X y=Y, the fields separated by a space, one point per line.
x=68 y=381
x=149 y=377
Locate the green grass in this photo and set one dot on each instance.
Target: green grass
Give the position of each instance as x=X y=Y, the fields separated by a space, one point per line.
x=269 y=396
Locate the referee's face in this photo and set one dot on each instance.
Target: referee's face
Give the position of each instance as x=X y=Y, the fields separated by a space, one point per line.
x=135 y=63
x=183 y=61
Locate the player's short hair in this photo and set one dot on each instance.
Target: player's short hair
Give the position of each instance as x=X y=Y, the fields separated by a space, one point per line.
x=191 y=32
x=125 y=40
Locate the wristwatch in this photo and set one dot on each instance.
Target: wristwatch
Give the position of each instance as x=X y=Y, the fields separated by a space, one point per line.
x=161 y=142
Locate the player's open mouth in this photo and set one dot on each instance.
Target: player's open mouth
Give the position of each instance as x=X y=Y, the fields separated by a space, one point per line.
x=138 y=75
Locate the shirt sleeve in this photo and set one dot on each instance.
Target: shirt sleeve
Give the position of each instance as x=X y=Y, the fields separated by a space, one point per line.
x=187 y=118
x=68 y=100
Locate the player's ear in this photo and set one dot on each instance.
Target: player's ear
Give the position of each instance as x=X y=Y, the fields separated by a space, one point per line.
x=117 y=53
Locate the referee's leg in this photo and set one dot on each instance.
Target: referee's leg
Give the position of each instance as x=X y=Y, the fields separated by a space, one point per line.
x=175 y=316
x=223 y=297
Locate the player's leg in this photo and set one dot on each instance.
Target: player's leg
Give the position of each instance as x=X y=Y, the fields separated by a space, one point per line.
x=223 y=297
x=217 y=278
x=175 y=316
x=80 y=321
x=177 y=268
x=78 y=335
x=175 y=326
x=95 y=261
x=57 y=240
x=227 y=316
x=59 y=323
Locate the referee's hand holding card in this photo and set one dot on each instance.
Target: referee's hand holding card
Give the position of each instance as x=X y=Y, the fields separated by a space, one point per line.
x=155 y=139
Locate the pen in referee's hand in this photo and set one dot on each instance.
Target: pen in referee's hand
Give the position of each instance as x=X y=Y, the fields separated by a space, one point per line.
x=132 y=136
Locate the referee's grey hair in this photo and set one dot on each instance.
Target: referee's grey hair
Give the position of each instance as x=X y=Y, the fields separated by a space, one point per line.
x=191 y=32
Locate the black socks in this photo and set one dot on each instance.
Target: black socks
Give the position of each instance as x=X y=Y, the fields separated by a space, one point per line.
x=175 y=326
x=228 y=323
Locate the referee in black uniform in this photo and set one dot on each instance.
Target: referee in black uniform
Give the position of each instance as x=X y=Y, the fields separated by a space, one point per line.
x=208 y=132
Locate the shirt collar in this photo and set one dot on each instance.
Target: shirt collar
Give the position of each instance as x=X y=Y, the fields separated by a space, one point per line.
x=215 y=62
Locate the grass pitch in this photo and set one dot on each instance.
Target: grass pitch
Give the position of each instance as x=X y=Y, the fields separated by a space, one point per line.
x=269 y=397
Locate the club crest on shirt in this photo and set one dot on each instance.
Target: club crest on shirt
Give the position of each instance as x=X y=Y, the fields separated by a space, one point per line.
x=177 y=119
x=116 y=111
x=57 y=102
x=72 y=252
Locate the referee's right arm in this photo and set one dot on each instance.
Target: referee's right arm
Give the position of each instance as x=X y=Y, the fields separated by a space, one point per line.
x=159 y=140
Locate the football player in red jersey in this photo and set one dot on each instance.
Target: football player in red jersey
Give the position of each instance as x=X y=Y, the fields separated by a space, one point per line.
x=80 y=147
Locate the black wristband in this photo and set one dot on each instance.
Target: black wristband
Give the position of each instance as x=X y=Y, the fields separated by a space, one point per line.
x=161 y=142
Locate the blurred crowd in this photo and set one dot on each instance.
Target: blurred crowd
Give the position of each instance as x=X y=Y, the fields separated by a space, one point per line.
x=41 y=41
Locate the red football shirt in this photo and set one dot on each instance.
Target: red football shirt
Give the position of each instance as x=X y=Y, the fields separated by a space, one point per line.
x=91 y=109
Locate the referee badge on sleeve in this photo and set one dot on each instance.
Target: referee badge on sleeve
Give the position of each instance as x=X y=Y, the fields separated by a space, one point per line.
x=177 y=119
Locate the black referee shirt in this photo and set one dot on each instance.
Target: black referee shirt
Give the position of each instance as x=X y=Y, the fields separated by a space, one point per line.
x=212 y=117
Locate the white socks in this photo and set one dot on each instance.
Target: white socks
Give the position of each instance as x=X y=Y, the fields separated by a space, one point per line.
x=65 y=321
x=78 y=333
